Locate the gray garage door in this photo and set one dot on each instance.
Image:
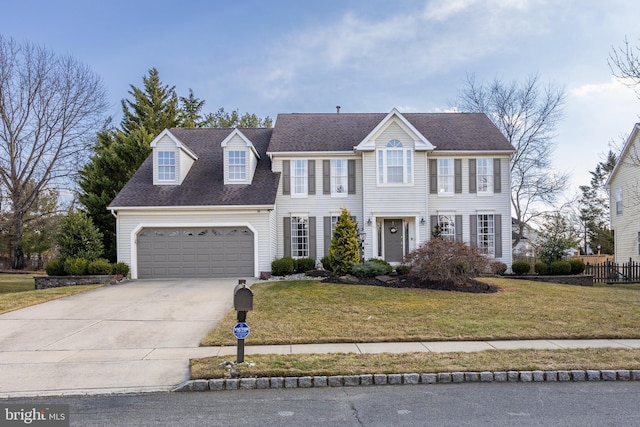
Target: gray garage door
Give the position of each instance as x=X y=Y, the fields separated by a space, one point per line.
x=195 y=252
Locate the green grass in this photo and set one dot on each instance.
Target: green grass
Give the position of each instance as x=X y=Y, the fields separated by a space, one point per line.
x=17 y=291
x=313 y=312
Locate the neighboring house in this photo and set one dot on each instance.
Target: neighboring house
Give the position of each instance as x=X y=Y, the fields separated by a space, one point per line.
x=227 y=202
x=526 y=246
x=624 y=195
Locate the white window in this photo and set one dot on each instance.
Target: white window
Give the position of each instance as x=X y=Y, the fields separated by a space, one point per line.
x=485 y=175
x=445 y=176
x=619 y=201
x=237 y=165
x=299 y=178
x=299 y=237
x=339 y=184
x=395 y=164
x=166 y=166
x=486 y=234
x=447 y=225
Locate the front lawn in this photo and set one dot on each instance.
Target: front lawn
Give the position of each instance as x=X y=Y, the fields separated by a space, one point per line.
x=295 y=312
x=17 y=291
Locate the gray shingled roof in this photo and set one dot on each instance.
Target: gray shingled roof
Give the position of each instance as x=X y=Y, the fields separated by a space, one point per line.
x=343 y=131
x=204 y=184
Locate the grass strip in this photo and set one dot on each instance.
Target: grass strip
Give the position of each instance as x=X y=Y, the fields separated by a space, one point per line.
x=272 y=365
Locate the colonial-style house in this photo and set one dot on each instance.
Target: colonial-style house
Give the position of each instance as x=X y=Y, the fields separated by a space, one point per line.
x=624 y=196
x=227 y=202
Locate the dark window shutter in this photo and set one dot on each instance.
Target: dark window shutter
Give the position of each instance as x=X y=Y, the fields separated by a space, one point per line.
x=351 y=176
x=327 y=234
x=286 y=177
x=434 y=222
x=497 y=176
x=326 y=177
x=286 y=232
x=473 y=230
x=497 y=227
x=458 y=228
x=433 y=176
x=472 y=175
x=457 y=167
x=312 y=237
x=311 y=176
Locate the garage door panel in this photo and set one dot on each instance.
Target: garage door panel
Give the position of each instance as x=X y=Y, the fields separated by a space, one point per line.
x=195 y=252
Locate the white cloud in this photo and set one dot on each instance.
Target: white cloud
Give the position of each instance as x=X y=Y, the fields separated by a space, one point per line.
x=613 y=87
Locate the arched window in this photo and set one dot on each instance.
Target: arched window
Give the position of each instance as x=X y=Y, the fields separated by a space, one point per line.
x=395 y=164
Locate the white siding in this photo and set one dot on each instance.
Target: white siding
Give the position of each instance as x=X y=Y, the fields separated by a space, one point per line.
x=183 y=165
x=261 y=223
x=318 y=205
x=626 y=225
x=238 y=144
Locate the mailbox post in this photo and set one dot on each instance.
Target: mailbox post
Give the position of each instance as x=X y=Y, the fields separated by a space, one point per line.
x=242 y=302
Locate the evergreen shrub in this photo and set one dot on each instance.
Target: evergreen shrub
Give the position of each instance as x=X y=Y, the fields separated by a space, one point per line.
x=520 y=267
x=76 y=266
x=559 y=268
x=305 y=264
x=282 y=266
x=55 y=268
x=577 y=266
x=100 y=267
x=540 y=268
x=120 y=269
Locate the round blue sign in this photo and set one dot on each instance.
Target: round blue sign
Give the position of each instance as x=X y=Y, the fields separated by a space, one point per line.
x=241 y=330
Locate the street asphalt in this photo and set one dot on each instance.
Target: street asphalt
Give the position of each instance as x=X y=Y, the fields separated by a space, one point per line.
x=138 y=336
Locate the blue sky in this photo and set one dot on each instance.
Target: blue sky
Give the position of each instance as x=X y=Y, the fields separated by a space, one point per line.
x=270 y=57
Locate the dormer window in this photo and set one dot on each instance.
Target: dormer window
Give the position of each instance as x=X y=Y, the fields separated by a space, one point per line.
x=166 y=165
x=237 y=165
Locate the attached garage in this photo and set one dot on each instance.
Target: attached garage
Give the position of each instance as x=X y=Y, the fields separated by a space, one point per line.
x=195 y=252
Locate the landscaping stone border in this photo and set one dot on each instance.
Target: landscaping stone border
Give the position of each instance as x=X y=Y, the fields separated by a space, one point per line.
x=46 y=282
x=221 y=384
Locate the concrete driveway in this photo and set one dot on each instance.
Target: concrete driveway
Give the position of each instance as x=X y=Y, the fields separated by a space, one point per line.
x=130 y=337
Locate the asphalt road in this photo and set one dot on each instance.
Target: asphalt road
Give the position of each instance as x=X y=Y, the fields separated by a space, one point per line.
x=491 y=404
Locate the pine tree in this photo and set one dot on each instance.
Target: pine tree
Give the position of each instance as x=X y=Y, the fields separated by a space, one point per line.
x=344 y=250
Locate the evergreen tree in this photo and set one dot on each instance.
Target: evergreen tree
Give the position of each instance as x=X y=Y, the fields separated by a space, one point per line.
x=556 y=237
x=190 y=112
x=225 y=119
x=344 y=250
x=79 y=238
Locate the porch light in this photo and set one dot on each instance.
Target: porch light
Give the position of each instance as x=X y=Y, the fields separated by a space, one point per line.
x=369 y=222
x=422 y=221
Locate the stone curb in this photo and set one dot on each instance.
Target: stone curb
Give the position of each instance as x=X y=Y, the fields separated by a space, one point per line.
x=408 y=379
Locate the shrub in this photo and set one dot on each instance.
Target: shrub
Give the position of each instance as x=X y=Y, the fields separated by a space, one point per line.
x=440 y=260
x=100 y=266
x=344 y=249
x=498 y=268
x=120 y=269
x=520 y=267
x=55 y=268
x=577 y=266
x=540 y=268
x=387 y=268
x=560 y=267
x=370 y=268
x=76 y=266
x=78 y=237
x=403 y=269
x=305 y=264
x=326 y=263
x=282 y=266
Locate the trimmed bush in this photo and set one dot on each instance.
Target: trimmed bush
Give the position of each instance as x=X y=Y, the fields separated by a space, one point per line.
x=120 y=269
x=540 y=268
x=559 y=268
x=305 y=264
x=383 y=263
x=326 y=263
x=498 y=268
x=55 y=268
x=403 y=270
x=282 y=266
x=100 y=267
x=370 y=268
x=520 y=267
x=577 y=266
x=76 y=266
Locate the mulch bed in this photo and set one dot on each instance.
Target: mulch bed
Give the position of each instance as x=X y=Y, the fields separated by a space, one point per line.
x=397 y=281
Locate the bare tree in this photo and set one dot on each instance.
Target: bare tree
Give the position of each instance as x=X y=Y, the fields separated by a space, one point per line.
x=50 y=107
x=625 y=64
x=527 y=116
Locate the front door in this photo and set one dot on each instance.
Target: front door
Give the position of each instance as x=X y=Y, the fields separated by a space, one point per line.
x=393 y=231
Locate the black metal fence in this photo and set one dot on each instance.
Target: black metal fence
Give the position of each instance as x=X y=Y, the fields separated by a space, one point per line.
x=611 y=272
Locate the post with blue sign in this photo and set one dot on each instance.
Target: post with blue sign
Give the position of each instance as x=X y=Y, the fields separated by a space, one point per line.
x=242 y=302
